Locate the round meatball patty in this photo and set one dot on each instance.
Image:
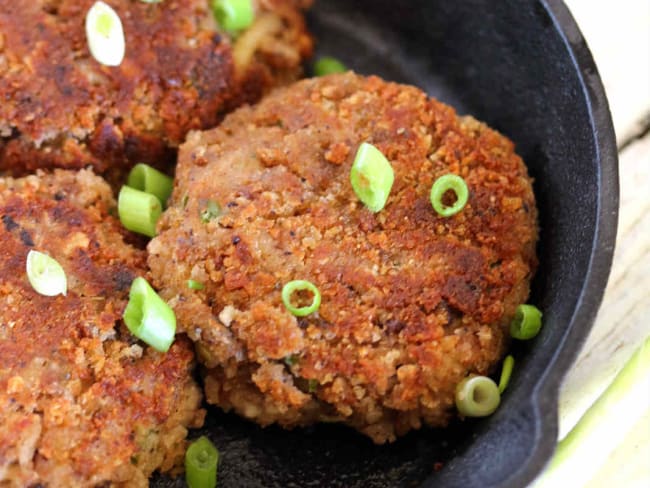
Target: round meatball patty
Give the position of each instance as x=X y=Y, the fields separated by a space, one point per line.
x=411 y=302
x=61 y=108
x=82 y=401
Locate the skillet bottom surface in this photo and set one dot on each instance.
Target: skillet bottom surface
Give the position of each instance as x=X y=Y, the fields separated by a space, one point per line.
x=319 y=456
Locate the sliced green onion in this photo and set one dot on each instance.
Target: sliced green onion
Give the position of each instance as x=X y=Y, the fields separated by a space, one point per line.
x=233 y=15
x=212 y=210
x=291 y=360
x=312 y=385
x=371 y=177
x=506 y=373
x=148 y=317
x=201 y=460
x=138 y=211
x=441 y=186
x=105 y=35
x=195 y=285
x=45 y=274
x=477 y=396
x=527 y=322
x=328 y=65
x=296 y=286
x=149 y=180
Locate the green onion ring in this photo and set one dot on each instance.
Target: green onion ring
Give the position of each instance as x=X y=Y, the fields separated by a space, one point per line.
x=138 y=211
x=105 y=34
x=328 y=65
x=371 y=177
x=45 y=274
x=233 y=15
x=527 y=322
x=477 y=396
x=441 y=186
x=148 y=317
x=195 y=285
x=300 y=285
x=506 y=373
x=149 y=180
x=201 y=460
x=211 y=211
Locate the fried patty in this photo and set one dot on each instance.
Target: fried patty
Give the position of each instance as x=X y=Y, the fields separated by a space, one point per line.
x=61 y=108
x=82 y=402
x=411 y=302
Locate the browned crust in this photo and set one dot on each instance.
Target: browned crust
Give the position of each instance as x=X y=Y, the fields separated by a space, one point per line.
x=60 y=108
x=81 y=401
x=411 y=302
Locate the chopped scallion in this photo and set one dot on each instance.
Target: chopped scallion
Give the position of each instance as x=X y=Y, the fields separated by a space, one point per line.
x=328 y=65
x=297 y=286
x=444 y=184
x=195 y=285
x=212 y=210
x=477 y=396
x=148 y=317
x=233 y=15
x=201 y=460
x=371 y=177
x=527 y=322
x=506 y=373
x=105 y=34
x=149 y=180
x=291 y=360
x=138 y=211
x=45 y=274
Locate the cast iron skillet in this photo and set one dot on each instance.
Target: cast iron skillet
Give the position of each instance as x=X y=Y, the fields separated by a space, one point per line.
x=523 y=67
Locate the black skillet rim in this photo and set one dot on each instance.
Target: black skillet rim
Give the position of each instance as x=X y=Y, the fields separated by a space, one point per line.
x=545 y=393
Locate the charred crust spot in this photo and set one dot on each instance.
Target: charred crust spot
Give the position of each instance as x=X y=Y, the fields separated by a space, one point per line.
x=122 y=279
x=58 y=196
x=394 y=326
x=9 y=223
x=63 y=213
x=26 y=238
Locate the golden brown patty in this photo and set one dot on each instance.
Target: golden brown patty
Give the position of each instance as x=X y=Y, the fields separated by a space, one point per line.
x=82 y=402
x=411 y=302
x=61 y=108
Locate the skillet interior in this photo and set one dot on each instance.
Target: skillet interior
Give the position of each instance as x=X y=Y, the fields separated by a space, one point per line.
x=522 y=67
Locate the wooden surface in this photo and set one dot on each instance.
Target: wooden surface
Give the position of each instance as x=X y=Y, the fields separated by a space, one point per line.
x=618 y=34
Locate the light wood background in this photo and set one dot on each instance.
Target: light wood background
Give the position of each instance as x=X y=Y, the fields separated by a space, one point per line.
x=618 y=34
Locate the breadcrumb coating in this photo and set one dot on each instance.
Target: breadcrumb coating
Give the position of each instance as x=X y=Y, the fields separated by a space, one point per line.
x=411 y=302
x=61 y=108
x=82 y=401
